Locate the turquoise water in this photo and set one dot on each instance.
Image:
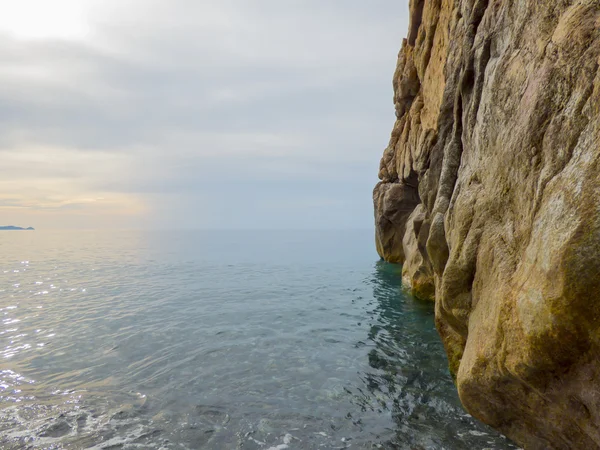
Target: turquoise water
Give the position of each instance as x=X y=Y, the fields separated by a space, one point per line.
x=219 y=340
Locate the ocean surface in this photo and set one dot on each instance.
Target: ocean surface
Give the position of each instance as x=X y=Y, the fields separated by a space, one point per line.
x=219 y=340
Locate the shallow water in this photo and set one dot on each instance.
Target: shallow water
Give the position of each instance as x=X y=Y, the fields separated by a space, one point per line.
x=219 y=340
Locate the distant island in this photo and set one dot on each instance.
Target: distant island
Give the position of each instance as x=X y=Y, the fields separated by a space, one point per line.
x=12 y=228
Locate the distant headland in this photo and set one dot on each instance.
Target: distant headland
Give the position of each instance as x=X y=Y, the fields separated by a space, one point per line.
x=13 y=228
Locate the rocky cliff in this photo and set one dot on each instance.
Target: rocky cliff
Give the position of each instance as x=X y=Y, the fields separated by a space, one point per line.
x=490 y=198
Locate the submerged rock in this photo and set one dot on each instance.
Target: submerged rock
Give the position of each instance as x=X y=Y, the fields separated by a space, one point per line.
x=490 y=198
x=56 y=429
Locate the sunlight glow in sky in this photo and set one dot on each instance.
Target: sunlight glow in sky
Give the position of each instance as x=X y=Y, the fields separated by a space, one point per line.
x=194 y=113
x=44 y=19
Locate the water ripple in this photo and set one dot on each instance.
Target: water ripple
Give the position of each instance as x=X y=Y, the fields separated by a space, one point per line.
x=166 y=340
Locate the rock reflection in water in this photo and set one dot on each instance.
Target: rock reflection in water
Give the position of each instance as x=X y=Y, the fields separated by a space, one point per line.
x=409 y=378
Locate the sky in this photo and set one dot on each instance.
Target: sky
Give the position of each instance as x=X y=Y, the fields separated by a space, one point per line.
x=185 y=114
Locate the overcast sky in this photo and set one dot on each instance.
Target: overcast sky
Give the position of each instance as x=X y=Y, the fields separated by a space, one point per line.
x=194 y=113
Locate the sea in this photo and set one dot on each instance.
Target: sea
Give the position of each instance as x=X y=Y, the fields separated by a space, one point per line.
x=231 y=339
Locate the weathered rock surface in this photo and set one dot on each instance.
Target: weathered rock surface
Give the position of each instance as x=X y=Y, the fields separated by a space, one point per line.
x=490 y=198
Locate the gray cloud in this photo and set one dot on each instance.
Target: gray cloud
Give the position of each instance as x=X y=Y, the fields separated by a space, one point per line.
x=229 y=113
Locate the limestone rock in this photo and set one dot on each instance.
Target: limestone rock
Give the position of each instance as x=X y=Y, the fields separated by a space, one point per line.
x=490 y=197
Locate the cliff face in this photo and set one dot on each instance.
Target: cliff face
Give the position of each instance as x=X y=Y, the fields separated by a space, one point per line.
x=490 y=198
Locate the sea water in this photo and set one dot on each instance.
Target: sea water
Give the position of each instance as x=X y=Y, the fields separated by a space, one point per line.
x=265 y=340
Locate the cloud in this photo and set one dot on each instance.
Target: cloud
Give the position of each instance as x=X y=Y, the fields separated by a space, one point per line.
x=182 y=108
